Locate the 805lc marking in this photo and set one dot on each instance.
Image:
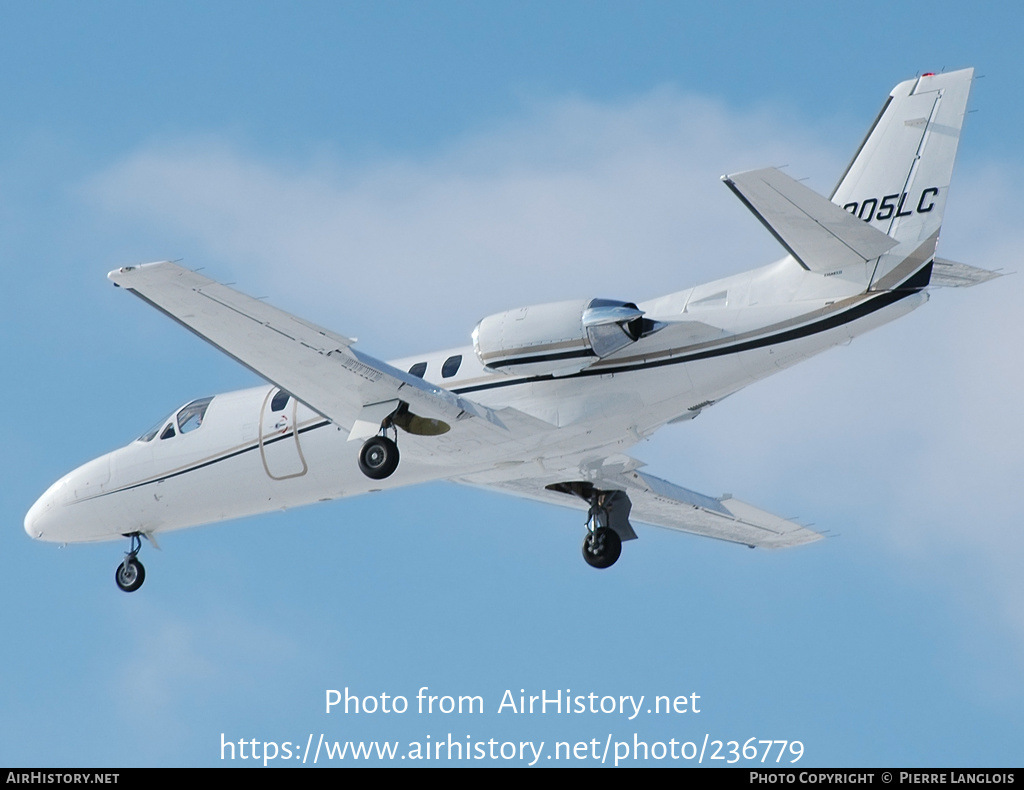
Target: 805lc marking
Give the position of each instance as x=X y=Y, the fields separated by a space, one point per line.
x=887 y=208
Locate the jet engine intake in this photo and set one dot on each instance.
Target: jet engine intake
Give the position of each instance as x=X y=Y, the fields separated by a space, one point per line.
x=559 y=338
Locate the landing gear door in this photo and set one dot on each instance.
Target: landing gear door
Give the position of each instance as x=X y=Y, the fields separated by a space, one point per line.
x=279 y=441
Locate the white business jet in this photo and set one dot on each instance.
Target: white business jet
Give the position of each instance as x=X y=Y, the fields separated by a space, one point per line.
x=548 y=398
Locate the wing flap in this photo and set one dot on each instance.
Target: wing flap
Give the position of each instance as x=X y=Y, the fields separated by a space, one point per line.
x=664 y=504
x=661 y=504
x=818 y=233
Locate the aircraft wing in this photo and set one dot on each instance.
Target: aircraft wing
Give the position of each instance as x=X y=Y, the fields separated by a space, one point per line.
x=663 y=504
x=317 y=366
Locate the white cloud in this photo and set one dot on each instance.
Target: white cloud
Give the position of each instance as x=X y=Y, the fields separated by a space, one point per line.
x=578 y=199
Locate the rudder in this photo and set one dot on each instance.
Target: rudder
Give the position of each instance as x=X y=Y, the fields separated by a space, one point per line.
x=899 y=178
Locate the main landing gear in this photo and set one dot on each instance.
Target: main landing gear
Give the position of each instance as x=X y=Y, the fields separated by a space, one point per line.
x=607 y=521
x=130 y=574
x=602 y=545
x=378 y=457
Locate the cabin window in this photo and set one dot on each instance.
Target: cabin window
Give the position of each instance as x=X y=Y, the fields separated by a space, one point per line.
x=418 y=370
x=191 y=416
x=451 y=366
x=280 y=401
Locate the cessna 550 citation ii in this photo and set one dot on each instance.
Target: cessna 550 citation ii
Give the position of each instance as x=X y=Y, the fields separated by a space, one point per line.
x=548 y=398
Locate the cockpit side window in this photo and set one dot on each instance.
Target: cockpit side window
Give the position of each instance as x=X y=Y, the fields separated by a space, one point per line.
x=191 y=416
x=168 y=431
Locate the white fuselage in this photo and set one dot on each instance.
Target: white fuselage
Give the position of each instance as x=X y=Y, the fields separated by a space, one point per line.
x=246 y=457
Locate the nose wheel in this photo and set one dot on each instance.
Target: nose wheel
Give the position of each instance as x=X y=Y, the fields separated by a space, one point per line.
x=130 y=574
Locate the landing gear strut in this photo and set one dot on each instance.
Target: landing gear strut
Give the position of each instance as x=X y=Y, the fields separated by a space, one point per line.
x=602 y=545
x=378 y=457
x=607 y=520
x=130 y=574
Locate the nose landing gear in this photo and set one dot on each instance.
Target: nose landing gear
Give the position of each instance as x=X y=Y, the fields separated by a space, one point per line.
x=130 y=574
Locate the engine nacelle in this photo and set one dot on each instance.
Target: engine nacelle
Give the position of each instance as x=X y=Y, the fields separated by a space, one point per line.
x=559 y=338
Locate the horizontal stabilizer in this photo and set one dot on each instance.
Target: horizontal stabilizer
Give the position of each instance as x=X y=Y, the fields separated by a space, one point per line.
x=951 y=274
x=819 y=234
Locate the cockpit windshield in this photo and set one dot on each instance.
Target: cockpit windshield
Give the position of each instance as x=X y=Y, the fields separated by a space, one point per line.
x=189 y=417
x=148 y=435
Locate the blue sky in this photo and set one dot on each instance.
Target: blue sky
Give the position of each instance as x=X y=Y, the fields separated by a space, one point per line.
x=486 y=156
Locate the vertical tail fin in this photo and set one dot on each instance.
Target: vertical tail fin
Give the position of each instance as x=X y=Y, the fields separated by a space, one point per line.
x=899 y=179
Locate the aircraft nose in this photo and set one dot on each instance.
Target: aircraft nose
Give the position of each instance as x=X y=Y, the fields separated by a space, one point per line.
x=40 y=514
x=51 y=517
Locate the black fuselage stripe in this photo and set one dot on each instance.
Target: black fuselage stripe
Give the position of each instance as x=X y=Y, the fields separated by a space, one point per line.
x=583 y=353
x=854 y=313
x=210 y=462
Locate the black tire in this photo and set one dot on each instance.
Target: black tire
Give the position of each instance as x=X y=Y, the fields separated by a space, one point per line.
x=602 y=547
x=131 y=578
x=378 y=458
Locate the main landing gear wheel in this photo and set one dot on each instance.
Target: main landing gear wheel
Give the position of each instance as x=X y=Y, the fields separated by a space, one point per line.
x=602 y=547
x=130 y=574
x=378 y=457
